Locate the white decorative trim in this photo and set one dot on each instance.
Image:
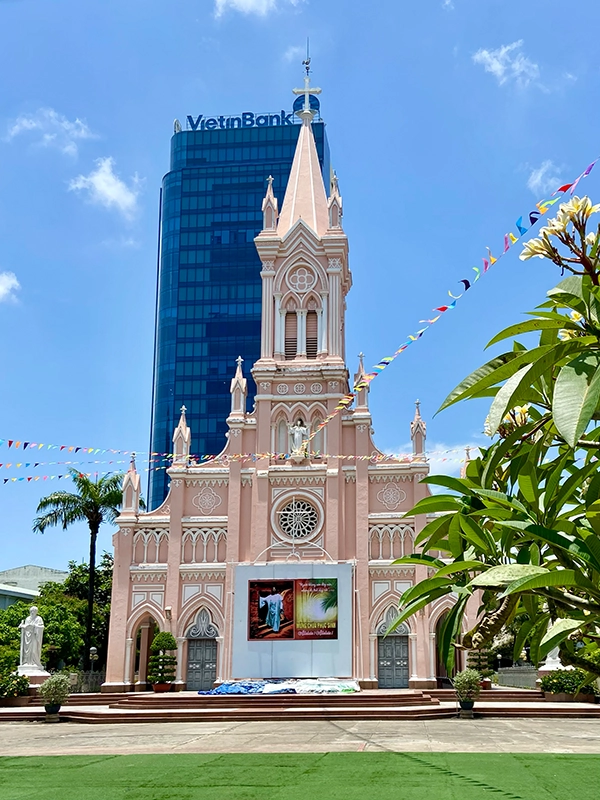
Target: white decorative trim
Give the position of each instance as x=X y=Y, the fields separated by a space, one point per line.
x=299 y=388
x=361 y=428
x=295 y=480
x=282 y=388
x=203 y=536
x=148 y=575
x=389 y=570
x=188 y=573
x=333 y=385
x=206 y=520
x=391 y=496
x=350 y=477
x=209 y=481
x=235 y=432
x=387 y=478
x=206 y=500
x=264 y=385
x=334 y=264
x=379 y=534
x=246 y=480
x=316 y=388
x=176 y=483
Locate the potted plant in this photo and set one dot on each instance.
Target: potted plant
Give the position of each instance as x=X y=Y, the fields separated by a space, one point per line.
x=54 y=691
x=567 y=686
x=467 y=685
x=161 y=666
x=14 y=689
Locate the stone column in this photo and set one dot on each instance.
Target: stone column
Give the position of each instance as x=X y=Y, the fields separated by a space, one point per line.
x=220 y=640
x=323 y=348
x=127 y=676
x=301 y=348
x=373 y=656
x=279 y=322
x=181 y=640
x=412 y=641
x=266 y=338
x=432 y=656
x=140 y=684
x=118 y=674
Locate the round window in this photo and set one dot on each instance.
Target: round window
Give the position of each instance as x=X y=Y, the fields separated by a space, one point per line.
x=298 y=519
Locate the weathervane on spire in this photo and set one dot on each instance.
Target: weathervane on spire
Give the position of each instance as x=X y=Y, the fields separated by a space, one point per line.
x=307 y=113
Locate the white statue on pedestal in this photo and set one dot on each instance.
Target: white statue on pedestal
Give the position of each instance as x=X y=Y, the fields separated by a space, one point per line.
x=32 y=633
x=298 y=436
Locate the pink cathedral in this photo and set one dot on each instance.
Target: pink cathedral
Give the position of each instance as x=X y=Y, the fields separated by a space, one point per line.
x=281 y=564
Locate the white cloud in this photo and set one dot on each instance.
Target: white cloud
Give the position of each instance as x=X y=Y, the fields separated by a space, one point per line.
x=294 y=52
x=52 y=130
x=8 y=286
x=106 y=188
x=443 y=459
x=448 y=4
x=508 y=63
x=544 y=179
x=259 y=7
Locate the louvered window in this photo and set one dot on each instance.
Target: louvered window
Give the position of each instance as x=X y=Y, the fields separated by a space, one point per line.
x=312 y=333
x=291 y=335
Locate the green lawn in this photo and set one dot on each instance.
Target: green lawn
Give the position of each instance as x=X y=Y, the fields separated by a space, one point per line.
x=307 y=776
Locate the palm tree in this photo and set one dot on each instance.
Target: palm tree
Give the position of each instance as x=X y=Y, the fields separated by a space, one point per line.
x=96 y=501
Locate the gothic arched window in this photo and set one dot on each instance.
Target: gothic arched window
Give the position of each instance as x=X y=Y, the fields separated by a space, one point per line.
x=281 y=437
x=312 y=334
x=317 y=445
x=291 y=335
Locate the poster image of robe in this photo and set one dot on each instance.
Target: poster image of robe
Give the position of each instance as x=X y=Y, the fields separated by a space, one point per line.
x=316 y=610
x=271 y=609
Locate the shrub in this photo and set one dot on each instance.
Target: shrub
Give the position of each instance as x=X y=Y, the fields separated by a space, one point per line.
x=467 y=684
x=162 y=642
x=569 y=681
x=55 y=689
x=161 y=667
x=13 y=685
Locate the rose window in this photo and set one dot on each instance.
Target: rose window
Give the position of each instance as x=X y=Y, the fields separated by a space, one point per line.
x=301 y=279
x=298 y=519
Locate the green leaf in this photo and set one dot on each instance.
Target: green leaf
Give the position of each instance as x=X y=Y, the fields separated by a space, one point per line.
x=477 y=536
x=437 y=502
x=459 y=485
x=497 y=452
x=424 y=587
x=417 y=606
x=531 y=325
x=558 y=633
x=572 y=285
x=459 y=566
x=576 y=547
x=576 y=396
x=559 y=577
x=503 y=401
x=475 y=377
x=504 y=574
x=434 y=531
x=415 y=558
x=529 y=483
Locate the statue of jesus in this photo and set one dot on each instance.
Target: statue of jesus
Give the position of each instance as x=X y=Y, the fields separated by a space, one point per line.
x=299 y=435
x=32 y=633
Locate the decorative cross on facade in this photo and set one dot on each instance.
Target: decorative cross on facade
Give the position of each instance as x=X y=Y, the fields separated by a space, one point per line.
x=183 y=409
x=270 y=180
x=307 y=91
x=239 y=361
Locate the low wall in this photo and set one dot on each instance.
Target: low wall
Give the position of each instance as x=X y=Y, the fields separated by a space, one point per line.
x=519 y=677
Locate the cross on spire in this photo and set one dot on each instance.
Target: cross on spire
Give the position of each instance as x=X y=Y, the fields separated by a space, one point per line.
x=306 y=112
x=270 y=180
x=239 y=361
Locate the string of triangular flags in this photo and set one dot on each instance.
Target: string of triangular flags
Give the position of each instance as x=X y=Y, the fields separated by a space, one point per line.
x=509 y=240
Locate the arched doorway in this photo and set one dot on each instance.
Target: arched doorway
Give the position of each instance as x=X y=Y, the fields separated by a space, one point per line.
x=147 y=630
x=392 y=653
x=202 y=653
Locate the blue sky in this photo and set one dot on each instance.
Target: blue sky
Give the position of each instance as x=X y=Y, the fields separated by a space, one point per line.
x=447 y=121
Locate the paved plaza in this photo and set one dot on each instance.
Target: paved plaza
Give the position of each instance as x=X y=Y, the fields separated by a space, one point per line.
x=450 y=735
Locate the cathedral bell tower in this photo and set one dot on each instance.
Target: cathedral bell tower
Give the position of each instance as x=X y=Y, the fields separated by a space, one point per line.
x=305 y=279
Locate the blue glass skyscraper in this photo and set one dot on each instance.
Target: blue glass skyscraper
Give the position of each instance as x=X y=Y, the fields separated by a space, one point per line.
x=209 y=287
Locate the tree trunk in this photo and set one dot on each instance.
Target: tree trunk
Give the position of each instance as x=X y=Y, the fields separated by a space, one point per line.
x=94 y=527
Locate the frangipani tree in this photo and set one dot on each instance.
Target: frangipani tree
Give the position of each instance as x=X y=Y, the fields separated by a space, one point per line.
x=522 y=526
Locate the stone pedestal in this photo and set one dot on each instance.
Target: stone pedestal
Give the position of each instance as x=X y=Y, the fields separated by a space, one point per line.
x=36 y=675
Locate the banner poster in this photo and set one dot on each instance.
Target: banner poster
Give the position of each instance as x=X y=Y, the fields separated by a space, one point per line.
x=300 y=609
x=270 y=609
x=316 y=608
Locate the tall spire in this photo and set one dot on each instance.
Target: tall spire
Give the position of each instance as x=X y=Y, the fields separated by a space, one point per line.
x=181 y=440
x=418 y=433
x=305 y=196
